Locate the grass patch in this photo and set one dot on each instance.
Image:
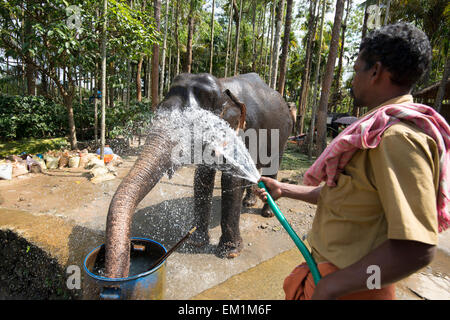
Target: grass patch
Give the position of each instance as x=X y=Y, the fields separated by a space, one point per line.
x=293 y=159
x=32 y=146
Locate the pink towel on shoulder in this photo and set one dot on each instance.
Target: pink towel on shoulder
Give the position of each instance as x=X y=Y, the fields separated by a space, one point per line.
x=366 y=134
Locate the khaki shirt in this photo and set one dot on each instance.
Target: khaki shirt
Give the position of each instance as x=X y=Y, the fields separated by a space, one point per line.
x=388 y=192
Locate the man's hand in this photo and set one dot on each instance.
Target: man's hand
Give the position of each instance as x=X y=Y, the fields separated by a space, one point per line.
x=323 y=291
x=274 y=188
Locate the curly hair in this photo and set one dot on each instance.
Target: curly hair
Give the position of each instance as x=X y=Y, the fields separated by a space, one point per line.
x=402 y=48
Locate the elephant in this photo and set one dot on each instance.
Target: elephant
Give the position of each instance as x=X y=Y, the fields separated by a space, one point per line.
x=244 y=102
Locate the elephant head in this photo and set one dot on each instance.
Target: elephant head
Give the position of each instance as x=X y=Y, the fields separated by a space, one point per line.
x=202 y=90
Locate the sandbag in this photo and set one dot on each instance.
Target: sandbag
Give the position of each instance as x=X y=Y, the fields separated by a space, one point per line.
x=19 y=168
x=116 y=161
x=33 y=166
x=40 y=161
x=94 y=162
x=51 y=162
x=74 y=162
x=6 y=171
x=83 y=161
x=63 y=160
x=101 y=173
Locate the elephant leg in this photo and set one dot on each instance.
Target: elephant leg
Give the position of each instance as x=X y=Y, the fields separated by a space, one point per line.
x=250 y=196
x=203 y=192
x=230 y=244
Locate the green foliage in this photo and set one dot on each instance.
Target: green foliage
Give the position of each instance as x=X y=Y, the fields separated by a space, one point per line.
x=120 y=120
x=30 y=116
x=37 y=117
x=129 y=121
x=293 y=159
x=32 y=146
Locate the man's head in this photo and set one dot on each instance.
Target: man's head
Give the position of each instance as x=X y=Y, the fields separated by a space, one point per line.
x=391 y=60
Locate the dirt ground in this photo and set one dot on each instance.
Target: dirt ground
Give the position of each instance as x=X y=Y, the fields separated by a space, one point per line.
x=165 y=215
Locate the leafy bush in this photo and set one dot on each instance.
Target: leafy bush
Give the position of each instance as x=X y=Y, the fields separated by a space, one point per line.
x=126 y=122
x=32 y=146
x=36 y=117
x=30 y=116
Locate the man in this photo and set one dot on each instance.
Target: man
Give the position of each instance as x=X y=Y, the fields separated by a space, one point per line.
x=380 y=212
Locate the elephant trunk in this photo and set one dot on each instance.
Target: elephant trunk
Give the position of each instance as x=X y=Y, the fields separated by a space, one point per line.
x=148 y=169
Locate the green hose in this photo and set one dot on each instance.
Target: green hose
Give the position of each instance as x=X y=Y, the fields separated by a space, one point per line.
x=299 y=243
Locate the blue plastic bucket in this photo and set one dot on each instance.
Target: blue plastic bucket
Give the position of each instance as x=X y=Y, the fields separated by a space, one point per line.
x=142 y=283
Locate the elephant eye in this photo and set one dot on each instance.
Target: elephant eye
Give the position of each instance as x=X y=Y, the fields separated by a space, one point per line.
x=204 y=96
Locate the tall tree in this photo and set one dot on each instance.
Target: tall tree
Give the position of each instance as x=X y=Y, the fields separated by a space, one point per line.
x=177 y=39
x=211 y=51
x=315 y=100
x=302 y=103
x=155 y=57
x=30 y=70
x=337 y=95
x=328 y=78
x=230 y=19
x=103 y=103
x=272 y=26
x=366 y=18
x=238 y=31
x=163 y=58
x=386 y=17
x=285 y=47
x=254 y=36
x=190 y=35
x=262 y=38
x=276 y=43
x=138 y=78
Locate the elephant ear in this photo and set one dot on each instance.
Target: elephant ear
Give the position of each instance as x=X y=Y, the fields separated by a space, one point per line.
x=234 y=111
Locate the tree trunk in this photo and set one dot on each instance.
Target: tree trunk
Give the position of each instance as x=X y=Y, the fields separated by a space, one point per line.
x=314 y=99
x=272 y=24
x=155 y=58
x=238 y=31
x=138 y=78
x=190 y=28
x=337 y=96
x=211 y=52
x=441 y=91
x=68 y=103
x=386 y=17
x=276 y=43
x=262 y=39
x=103 y=123
x=169 y=70
x=285 y=52
x=177 y=40
x=230 y=19
x=129 y=76
x=328 y=78
x=163 y=58
x=254 y=37
x=305 y=77
x=148 y=78
x=96 y=119
x=366 y=17
x=111 y=72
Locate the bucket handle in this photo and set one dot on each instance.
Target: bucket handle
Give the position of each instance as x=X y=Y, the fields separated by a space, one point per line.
x=110 y=293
